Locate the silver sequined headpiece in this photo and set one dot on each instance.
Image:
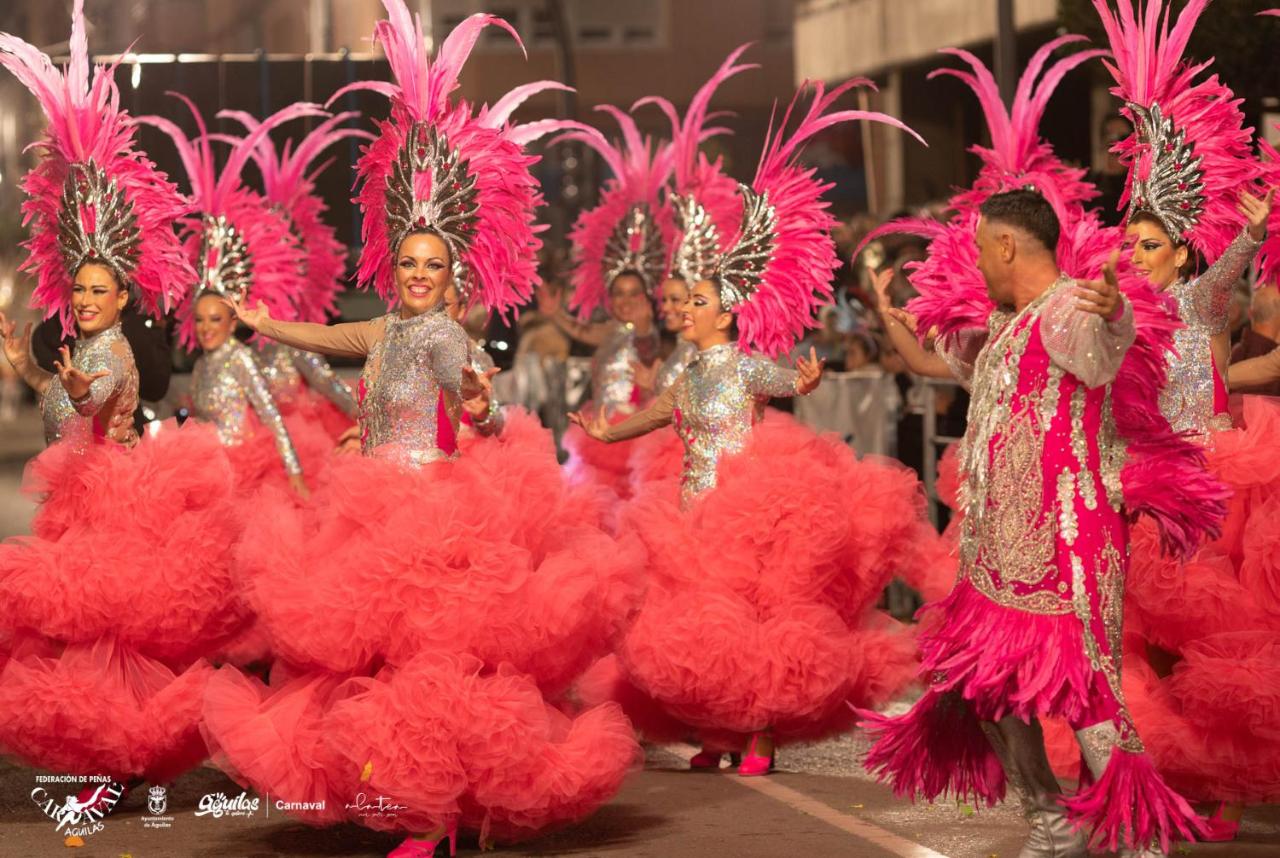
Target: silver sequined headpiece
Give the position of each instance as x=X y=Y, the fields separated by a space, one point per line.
x=743 y=265
x=115 y=237
x=225 y=265
x=1173 y=191
x=451 y=208
x=635 y=245
x=697 y=254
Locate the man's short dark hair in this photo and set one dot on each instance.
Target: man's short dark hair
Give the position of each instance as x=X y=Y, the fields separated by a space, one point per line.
x=1029 y=212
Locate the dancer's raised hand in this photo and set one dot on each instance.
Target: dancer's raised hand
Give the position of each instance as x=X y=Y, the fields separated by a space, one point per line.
x=809 y=373
x=75 y=382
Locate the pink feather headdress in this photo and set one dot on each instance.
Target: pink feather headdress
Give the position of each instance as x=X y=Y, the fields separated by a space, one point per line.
x=1190 y=153
x=288 y=181
x=237 y=242
x=776 y=271
x=93 y=198
x=704 y=200
x=953 y=295
x=436 y=166
x=632 y=227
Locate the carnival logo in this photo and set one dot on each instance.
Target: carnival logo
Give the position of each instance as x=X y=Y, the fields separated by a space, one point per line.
x=78 y=817
x=219 y=805
x=379 y=806
x=157 y=804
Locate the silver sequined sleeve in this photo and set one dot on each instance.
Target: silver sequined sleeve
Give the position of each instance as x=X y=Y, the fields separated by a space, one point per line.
x=765 y=379
x=1213 y=288
x=101 y=389
x=960 y=350
x=1085 y=344
x=449 y=354
x=321 y=378
x=255 y=387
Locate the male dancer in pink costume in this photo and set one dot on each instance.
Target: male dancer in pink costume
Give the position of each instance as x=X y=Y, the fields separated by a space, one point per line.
x=1032 y=628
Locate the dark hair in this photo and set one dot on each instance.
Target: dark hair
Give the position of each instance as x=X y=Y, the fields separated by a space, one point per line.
x=1028 y=211
x=733 y=325
x=423 y=230
x=1188 y=268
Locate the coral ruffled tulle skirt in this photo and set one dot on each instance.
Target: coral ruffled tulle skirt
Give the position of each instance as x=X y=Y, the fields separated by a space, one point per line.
x=133 y=545
x=492 y=554
x=759 y=611
x=101 y=708
x=441 y=738
x=1202 y=663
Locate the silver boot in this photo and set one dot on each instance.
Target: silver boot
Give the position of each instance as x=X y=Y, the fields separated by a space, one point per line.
x=1020 y=747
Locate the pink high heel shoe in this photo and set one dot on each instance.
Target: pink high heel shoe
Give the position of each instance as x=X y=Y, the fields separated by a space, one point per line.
x=1219 y=830
x=754 y=764
x=413 y=848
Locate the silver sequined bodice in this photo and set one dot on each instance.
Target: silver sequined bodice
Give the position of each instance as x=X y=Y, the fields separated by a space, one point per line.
x=287 y=368
x=226 y=385
x=717 y=401
x=112 y=398
x=415 y=361
x=675 y=364
x=612 y=376
x=1187 y=400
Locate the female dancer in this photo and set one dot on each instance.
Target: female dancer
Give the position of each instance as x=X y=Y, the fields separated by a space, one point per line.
x=303 y=382
x=104 y=673
x=239 y=243
x=764 y=632
x=435 y=601
x=621 y=249
x=1202 y=630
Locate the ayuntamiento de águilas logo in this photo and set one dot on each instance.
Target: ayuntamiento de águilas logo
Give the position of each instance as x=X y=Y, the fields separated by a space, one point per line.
x=76 y=817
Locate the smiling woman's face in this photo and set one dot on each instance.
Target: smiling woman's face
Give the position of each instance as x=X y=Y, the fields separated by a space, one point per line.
x=214 y=321
x=96 y=299
x=423 y=272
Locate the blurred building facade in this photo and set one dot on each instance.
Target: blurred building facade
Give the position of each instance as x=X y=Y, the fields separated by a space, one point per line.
x=895 y=42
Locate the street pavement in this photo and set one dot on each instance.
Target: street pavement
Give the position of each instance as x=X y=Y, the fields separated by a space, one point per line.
x=817 y=804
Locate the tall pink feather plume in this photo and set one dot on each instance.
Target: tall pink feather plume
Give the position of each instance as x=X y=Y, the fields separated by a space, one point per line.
x=273 y=248
x=289 y=184
x=640 y=169
x=421 y=86
x=1017 y=156
x=502 y=254
x=693 y=173
x=796 y=280
x=1149 y=68
x=85 y=121
x=953 y=295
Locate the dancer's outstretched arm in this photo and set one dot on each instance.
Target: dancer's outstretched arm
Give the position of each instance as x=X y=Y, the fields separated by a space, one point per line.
x=656 y=416
x=349 y=339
